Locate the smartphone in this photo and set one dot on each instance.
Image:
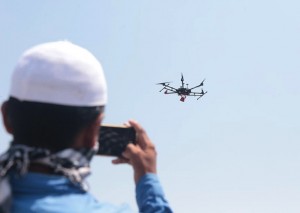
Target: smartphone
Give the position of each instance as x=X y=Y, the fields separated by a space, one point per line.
x=113 y=139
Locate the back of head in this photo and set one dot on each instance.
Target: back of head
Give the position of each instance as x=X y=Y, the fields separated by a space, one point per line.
x=57 y=89
x=51 y=126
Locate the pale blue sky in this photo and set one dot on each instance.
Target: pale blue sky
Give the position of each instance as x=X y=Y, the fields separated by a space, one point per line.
x=236 y=150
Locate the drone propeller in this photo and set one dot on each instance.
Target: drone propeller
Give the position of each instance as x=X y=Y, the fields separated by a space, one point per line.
x=164 y=83
x=202 y=92
x=202 y=83
x=182 y=80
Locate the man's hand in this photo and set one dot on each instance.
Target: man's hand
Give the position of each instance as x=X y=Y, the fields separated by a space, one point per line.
x=141 y=156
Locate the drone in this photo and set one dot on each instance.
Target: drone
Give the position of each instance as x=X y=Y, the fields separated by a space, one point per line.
x=182 y=91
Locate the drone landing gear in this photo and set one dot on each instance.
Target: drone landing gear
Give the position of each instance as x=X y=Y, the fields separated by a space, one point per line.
x=182 y=98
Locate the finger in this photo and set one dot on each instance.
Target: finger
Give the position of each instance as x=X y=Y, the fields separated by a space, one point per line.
x=130 y=150
x=120 y=161
x=142 y=138
x=135 y=125
x=127 y=124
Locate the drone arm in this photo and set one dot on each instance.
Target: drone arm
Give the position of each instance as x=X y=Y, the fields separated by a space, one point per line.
x=167 y=87
x=196 y=86
x=167 y=92
x=200 y=85
x=199 y=95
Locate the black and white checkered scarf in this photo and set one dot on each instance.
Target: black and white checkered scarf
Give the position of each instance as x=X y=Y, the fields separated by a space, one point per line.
x=73 y=164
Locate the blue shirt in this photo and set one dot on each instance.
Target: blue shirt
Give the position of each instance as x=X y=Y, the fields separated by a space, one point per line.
x=41 y=193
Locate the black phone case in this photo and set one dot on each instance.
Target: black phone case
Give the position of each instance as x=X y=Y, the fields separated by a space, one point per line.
x=114 y=139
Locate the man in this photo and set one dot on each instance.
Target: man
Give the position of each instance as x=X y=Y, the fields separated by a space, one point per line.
x=57 y=98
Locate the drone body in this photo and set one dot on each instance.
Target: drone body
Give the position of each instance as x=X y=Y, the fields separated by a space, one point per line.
x=182 y=90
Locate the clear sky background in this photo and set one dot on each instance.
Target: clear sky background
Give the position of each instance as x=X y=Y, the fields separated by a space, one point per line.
x=237 y=149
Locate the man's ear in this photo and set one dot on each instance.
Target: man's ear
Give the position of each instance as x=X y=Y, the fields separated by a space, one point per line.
x=94 y=129
x=6 y=121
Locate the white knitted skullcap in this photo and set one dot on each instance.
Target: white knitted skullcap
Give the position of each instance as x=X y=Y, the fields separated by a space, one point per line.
x=59 y=73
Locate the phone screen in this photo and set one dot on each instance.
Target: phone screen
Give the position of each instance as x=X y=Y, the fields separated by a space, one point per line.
x=113 y=139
